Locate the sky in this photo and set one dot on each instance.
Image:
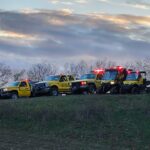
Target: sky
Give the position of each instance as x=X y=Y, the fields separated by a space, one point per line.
x=60 y=31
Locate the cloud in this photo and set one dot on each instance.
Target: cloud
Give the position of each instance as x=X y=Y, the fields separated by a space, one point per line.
x=140 y=4
x=60 y=36
x=81 y=1
x=123 y=19
x=67 y=11
x=66 y=2
x=104 y=1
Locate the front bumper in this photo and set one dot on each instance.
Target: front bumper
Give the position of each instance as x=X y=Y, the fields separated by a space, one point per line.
x=104 y=88
x=79 y=89
x=126 y=87
x=5 y=94
x=107 y=88
x=42 y=91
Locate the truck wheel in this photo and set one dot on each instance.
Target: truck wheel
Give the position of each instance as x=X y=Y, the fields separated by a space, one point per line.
x=135 y=90
x=101 y=90
x=85 y=93
x=92 y=89
x=121 y=90
x=147 y=90
x=54 y=91
x=113 y=90
x=104 y=89
x=14 y=96
x=33 y=94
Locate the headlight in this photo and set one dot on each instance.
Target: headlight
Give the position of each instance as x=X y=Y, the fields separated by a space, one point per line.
x=112 y=82
x=5 y=90
x=148 y=86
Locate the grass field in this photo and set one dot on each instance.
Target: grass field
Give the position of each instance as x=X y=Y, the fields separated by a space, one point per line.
x=94 y=122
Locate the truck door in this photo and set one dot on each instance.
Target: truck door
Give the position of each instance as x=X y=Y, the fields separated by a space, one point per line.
x=24 y=89
x=70 y=79
x=98 y=81
x=64 y=84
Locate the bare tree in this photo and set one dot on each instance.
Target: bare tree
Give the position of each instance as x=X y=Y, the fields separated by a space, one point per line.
x=19 y=74
x=146 y=62
x=39 y=71
x=70 y=68
x=5 y=73
x=77 y=69
x=104 y=63
x=143 y=65
x=82 y=68
x=130 y=65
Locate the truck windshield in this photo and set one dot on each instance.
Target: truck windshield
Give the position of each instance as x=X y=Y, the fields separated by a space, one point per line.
x=52 y=78
x=132 y=76
x=110 y=75
x=12 y=84
x=88 y=76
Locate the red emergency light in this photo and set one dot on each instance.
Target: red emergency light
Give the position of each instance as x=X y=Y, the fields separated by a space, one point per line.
x=119 y=67
x=99 y=71
x=129 y=72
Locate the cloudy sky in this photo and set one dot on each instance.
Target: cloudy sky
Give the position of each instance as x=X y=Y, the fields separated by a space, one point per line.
x=59 y=31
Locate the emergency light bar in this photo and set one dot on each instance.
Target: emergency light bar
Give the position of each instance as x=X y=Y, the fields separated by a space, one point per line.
x=99 y=71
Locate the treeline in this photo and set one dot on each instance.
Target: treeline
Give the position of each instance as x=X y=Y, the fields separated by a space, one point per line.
x=37 y=72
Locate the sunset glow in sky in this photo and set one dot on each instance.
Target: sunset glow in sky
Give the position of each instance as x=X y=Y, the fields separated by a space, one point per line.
x=59 y=31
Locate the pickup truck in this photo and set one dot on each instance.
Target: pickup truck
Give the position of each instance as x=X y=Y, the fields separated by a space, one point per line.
x=88 y=83
x=17 y=89
x=53 y=85
x=135 y=83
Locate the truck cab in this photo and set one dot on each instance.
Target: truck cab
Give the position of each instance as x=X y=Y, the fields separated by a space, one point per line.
x=88 y=83
x=112 y=80
x=16 y=89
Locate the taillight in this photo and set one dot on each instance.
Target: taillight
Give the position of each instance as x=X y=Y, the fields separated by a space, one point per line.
x=83 y=83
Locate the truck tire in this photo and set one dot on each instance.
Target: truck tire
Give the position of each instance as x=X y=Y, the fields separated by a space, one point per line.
x=121 y=90
x=114 y=90
x=85 y=92
x=92 y=89
x=14 y=96
x=54 y=91
x=33 y=94
x=135 y=90
x=147 y=90
x=101 y=90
